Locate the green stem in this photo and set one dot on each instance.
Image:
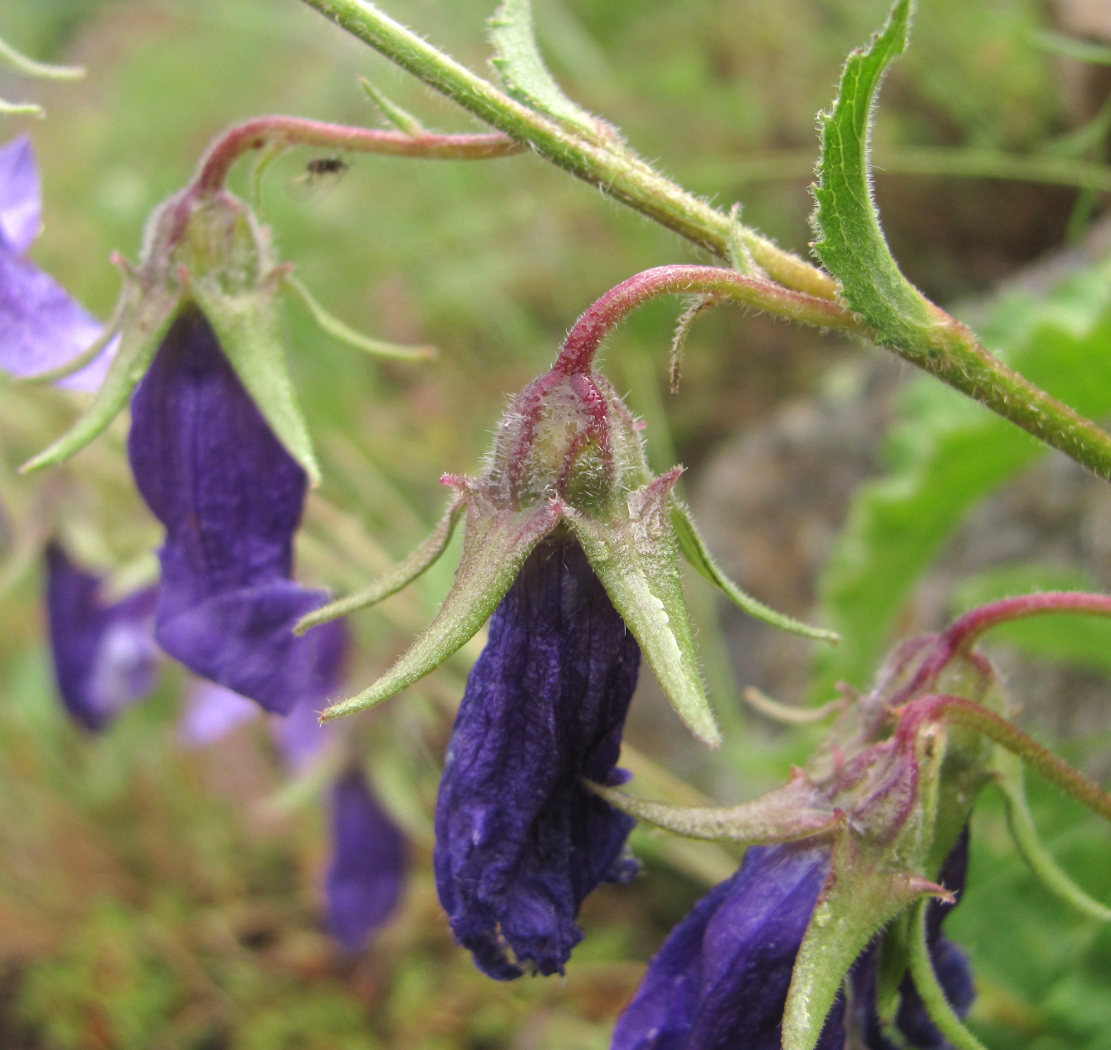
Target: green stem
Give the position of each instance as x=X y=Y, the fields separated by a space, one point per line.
x=950 y=351
x=1006 y=734
x=933 y=995
x=610 y=166
x=28 y=66
x=954 y=355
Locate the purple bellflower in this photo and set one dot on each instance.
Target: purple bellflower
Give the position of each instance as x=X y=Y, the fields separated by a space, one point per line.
x=104 y=653
x=230 y=497
x=369 y=862
x=720 y=980
x=42 y=327
x=519 y=841
x=572 y=546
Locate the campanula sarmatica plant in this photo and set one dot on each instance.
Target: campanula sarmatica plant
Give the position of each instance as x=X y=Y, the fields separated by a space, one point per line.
x=576 y=544
x=42 y=327
x=230 y=497
x=103 y=652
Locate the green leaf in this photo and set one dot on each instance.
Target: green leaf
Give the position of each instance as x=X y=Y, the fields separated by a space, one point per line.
x=523 y=73
x=637 y=560
x=495 y=546
x=694 y=548
x=849 y=240
x=946 y=455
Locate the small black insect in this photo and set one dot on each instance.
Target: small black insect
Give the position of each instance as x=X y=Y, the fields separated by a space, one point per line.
x=321 y=172
x=321 y=166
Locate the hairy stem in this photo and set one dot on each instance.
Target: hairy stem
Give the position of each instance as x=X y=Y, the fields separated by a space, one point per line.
x=279 y=131
x=965 y=631
x=1006 y=734
x=590 y=330
x=610 y=166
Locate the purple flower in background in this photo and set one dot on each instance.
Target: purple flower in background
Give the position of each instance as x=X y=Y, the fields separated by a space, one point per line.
x=367 y=873
x=230 y=496
x=720 y=981
x=42 y=326
x=519 y=841
x=104 y=654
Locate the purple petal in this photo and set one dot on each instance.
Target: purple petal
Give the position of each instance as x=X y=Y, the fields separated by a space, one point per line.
x=660 y=1014
x=244 y=640
x=721 y=979
x=20 y=195
x=211 y=469
x=368 y=867
x=43 y=326
x=230 y=498
x=104 y=655
x=211 y=712
x=519 y=841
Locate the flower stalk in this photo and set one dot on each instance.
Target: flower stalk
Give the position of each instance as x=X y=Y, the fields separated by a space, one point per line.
x=278 y=131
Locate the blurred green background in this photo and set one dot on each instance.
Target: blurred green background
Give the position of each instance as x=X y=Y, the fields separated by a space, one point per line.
x=153 y=896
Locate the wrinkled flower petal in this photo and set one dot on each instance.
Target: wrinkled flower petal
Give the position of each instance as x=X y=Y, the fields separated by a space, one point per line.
x=41 y=325
x=519 y=841
x=230 y=497
x=104 y=654
x=720 y=981
x=367 y=872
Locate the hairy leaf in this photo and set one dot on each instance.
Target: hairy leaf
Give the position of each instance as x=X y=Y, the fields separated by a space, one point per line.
x=849 y=239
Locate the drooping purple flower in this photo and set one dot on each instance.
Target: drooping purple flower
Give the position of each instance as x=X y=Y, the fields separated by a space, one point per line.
x=230 y=497
x=720 y=980
x=104 y=653
x=519 y=841
x=950 y=964
x=41 y=325
x=370 y=859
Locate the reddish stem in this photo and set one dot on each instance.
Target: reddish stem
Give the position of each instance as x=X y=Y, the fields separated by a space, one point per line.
x=279 y=130
x=964 y=632
x=1008 y=735
x=591 y=329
